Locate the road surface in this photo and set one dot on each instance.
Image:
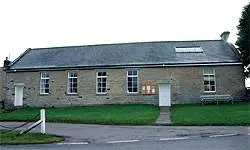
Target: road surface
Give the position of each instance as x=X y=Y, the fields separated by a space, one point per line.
x=106 y=137
x=235 y=142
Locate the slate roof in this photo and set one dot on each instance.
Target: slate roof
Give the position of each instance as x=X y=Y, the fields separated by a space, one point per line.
x=125 y=54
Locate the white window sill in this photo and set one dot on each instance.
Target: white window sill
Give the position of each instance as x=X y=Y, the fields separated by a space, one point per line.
x=72 y=93
x=101 y=93
x=44 y=94
x=131 y=93
x=209 y=91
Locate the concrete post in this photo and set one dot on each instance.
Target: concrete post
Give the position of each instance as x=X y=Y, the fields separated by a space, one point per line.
x=42 y=117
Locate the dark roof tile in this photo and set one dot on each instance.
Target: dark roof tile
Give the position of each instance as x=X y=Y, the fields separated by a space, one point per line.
x=125 y=54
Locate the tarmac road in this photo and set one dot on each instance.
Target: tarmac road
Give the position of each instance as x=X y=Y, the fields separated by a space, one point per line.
x=106 y=133
x=107 y=137
x=236 y=142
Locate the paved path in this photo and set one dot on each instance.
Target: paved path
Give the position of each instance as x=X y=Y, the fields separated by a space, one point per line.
x=164 y=117
x=106 y=133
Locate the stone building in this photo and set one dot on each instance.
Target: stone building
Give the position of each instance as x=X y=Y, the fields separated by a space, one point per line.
x=160 y=73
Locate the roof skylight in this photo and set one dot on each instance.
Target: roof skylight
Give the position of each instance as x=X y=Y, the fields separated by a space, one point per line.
x=188 y=50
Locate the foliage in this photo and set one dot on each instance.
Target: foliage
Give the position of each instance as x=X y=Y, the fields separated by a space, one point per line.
x=243 y=40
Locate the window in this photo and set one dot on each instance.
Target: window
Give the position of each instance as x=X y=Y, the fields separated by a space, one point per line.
x=44 y=83
x=132 y=81
x=209 y=80
x=188 y=50
x=72 y=83
x=101 y=82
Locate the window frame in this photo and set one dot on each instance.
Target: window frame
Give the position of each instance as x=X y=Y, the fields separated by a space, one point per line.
x=137 y=76
x=101 y=77
x=42 y=78
x=213 y=76
x=69 y=84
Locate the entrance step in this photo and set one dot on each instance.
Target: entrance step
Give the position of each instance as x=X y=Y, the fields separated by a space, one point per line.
x=164 y=109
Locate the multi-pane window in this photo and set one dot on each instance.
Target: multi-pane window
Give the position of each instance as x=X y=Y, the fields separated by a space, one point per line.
x=132 y=81
x=72 y=82
x=101 y=82
x=44 y=83
x=209 y=80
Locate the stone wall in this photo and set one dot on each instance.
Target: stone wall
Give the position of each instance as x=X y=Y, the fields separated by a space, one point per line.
x=2 y=87
x=186 y=86
x=1 y=83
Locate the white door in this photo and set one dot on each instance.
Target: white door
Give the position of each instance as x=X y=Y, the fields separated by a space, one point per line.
x=18 y=95
x=164 y=95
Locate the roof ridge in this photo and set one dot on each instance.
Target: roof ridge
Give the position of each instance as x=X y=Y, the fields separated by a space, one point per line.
x=121 y=44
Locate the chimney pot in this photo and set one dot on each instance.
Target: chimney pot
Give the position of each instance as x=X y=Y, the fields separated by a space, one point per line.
x=6 y=63
x=224 y=36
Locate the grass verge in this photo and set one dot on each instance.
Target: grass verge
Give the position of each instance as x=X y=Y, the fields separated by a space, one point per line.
x=103 y=114
x=12 y=137
x=222 y=114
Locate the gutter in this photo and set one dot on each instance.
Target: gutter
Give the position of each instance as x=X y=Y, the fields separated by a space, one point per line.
x=123 y=66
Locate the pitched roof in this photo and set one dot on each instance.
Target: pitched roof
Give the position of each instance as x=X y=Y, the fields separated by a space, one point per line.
x=125 y=54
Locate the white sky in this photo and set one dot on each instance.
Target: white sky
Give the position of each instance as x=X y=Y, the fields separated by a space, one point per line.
x=48 y=23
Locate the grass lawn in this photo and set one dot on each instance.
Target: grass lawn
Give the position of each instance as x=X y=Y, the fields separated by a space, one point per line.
x=102 y=114
x=193 y=114
x=12 y=137
x=222 y=114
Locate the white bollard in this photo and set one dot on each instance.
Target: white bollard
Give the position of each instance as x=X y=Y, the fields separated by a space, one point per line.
x=42 y=117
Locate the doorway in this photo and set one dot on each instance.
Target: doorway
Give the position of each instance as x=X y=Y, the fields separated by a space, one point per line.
x=164 y=95
x=18 y=95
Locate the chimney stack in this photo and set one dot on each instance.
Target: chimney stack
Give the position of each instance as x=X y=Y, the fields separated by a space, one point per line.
x=6 y=63
x=224 y=36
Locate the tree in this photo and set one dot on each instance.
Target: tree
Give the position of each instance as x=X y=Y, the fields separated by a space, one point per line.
x=243 y=41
